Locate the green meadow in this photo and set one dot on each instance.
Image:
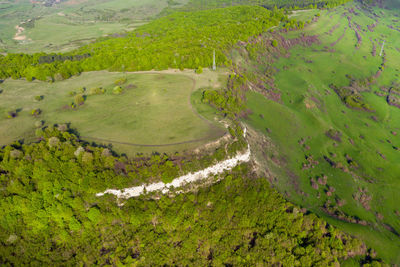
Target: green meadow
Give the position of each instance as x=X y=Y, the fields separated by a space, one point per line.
x=70 y=24
x=152 y=112
x=335 y=158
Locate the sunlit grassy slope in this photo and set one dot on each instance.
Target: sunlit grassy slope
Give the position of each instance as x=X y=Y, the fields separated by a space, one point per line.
x=362 y=168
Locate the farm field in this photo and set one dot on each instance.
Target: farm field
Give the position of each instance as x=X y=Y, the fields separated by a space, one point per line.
x=60 y=27
x=337 y=138
x=153 y=109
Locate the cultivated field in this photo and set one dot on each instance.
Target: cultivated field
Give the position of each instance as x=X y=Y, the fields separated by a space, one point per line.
x=151 y=111
x=338 y=137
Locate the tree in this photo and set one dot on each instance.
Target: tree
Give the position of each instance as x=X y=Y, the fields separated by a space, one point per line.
x=79 y=100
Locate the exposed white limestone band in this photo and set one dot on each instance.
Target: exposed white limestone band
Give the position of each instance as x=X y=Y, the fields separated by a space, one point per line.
x=218 y=168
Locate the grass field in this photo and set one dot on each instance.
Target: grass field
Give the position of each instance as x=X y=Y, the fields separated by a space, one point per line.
x=318 y=136
x=153 y=109
x=70 y=24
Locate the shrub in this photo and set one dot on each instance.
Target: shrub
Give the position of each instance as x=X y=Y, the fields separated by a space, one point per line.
x=82 y=90
x=38 y=98
x=106 y=152
x=12 y=114
x=72 y=93
x=79 y=100
x=39 y=132
x=117 y=90
x=334 y=135
x=78 y=151
x=62 y=127
x=274 y=43
x=87 y=157
x=39 y=124
x=53 y=141
x=15 y=154
x=120 y=81
x=96 y=91
x=36 y=112
x=199 y=70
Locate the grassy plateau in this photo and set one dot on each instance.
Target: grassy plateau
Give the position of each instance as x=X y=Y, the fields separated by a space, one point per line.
x=152 y=109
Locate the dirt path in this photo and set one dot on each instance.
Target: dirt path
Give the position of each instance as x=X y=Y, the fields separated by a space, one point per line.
x=215 y=129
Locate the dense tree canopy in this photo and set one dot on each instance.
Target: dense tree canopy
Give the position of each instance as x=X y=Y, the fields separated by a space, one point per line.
x=50 y=215
x=180 y=40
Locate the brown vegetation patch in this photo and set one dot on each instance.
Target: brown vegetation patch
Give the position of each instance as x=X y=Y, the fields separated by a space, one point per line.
x=340 y=37
x=334 y=135
x=362 y=197
x=371 y=27
x=333 y=29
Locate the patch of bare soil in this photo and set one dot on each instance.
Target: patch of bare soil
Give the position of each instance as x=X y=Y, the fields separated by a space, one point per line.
x=18 y=35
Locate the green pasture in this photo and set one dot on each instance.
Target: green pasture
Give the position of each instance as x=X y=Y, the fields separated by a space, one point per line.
x=71 y=24
x=153 y=109
x=368 y=155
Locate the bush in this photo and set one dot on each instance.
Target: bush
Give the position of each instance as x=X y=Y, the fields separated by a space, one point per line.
x=53 y=141
x=274 y=43
x=12 y=114
x=96 y=91
x=106 y=153
x=72 y=93
x=38 y=124
x=79 y=100
x=78 y=151
x=62 y=127
x=334 y=135
x=82 y=90
x=117 y=90
x=38 y=98
x=36 y=112
x=15 y=154
x=39 y=133
x=87 y=157
x=120 y=81
x=199 y=70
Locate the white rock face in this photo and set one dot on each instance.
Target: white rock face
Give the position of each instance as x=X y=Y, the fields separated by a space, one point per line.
x=218 y=168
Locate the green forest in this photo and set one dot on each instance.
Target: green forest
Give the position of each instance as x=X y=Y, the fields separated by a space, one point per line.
x=180 y=40
x=288 y=4
x=50 y=215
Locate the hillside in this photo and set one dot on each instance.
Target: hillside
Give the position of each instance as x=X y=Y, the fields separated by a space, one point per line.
x=221 y=133
x=54 y=26
x=337 y=143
